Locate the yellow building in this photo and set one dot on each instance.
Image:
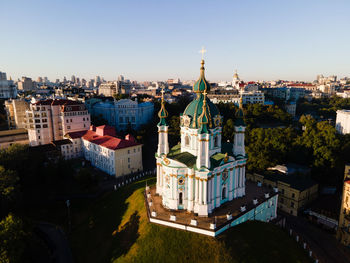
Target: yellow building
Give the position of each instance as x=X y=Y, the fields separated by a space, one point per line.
x=295 y=191
x=343 y=233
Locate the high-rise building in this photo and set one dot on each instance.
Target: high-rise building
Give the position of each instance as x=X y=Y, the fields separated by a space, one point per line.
x=16 y=113
x=25 y=84
x=342 y=123
x=49 y=120
x=72 y=79
x=7 y=88
x=97 y=81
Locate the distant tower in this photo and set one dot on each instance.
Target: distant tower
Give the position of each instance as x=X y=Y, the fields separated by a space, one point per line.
x=235 y=80
x=163 y=145
x=239 y=148
x=72 y=79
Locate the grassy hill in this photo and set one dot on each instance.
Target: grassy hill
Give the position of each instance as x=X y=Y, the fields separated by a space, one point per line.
x=115 y=228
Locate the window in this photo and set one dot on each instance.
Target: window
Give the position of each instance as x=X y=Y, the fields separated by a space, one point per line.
x=44 y=125
x=133 y=119
x=292 y=204
x=67 y=121
x=44 y=120
x=70 y=120
x=128 y=160
x=39 y=137
x=293 y=195
x=128 y=165
x=37 y=121
x=223 y=194
x=282 y=200
x=134 y=150
x=83 y=119
x=282 y=191
x=187 y=140
x=216 y=143
x=68 y=127
x=128 y=151
x=38 y=126
x=120 y=119
x=43 y=114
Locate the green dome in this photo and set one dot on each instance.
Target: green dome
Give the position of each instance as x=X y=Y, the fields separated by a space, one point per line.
x=201 y=84
x=195 y=109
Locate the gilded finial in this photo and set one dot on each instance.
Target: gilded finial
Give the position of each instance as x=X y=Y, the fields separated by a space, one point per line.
x=162 y=114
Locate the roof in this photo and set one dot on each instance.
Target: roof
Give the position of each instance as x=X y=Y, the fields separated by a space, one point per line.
x=195 y=108
x=106 y=141
x=296 y=181
x=186 y=158
x=12 y=132
x=62 y=142
x=201 y=84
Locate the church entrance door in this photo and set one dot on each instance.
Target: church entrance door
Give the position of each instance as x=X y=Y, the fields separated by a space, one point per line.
x=180 y=206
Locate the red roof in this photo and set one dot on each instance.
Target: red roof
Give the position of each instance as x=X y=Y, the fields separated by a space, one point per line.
x=107 y=141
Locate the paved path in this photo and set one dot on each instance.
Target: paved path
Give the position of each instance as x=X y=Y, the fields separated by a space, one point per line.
x=323 y=244
x=56 y=241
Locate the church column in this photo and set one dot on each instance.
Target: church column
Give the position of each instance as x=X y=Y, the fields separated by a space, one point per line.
x=196 y=190
x=205 y=182
x=158 y=173
x=200 y=192
x=212 y=188
x=189 y=188
x=230 y=186
x=218 y=190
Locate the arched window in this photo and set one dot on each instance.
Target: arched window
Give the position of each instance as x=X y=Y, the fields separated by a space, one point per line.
x=180 y=198
x=187 y=140
x=223 y=194
x=216 y=141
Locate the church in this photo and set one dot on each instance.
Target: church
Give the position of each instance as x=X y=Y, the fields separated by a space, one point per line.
x=201 y=173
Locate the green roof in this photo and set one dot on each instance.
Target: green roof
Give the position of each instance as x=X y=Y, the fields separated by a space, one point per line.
x=201 y=84
x=195 y=108
x=186 y=158
x=296 y=181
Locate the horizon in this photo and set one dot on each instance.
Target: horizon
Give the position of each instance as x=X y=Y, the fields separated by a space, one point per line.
x=156 y=41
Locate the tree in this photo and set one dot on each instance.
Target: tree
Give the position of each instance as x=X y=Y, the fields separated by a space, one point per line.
x=8 y=183
x=13 y=238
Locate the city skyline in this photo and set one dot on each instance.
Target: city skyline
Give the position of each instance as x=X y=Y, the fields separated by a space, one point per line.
x=158 y=41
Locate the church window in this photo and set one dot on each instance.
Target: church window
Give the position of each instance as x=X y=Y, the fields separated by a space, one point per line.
x=187 y=140
x=223 y=194
x=180 y=198
x=216 y=143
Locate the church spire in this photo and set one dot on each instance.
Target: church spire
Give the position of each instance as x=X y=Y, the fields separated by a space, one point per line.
x=162 y=114
x=240 y=114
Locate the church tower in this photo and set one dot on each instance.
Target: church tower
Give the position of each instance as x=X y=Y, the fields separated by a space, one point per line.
x=163 y=145
x=239 y=148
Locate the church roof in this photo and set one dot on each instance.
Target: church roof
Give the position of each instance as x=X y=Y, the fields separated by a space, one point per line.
x=201 y=84
x=186 y=158
x=195 y=109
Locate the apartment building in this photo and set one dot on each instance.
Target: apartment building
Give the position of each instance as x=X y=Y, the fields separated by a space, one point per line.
x=48 y=120
x=16 y=113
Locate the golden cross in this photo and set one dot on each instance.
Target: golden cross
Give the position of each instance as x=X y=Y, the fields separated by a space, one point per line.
x=202 y=51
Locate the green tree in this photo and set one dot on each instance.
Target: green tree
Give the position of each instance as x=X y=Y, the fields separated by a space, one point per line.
x=8 y=183
x=13 y=238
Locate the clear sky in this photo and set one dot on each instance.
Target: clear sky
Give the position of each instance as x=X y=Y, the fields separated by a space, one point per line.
x=157 y=40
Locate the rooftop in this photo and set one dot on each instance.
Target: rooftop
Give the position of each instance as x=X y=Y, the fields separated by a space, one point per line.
x=296 y=181
x=12 y=132
x=110 y=142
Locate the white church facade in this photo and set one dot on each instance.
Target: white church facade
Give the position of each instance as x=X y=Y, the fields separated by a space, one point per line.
x=200 y=173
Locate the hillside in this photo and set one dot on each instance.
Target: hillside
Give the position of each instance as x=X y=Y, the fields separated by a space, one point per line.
x=115 y=229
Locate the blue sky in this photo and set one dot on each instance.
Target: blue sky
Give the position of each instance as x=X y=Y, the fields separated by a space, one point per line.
x=157 y=40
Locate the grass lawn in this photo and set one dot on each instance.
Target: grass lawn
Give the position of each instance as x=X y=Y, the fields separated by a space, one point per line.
x=115 y=228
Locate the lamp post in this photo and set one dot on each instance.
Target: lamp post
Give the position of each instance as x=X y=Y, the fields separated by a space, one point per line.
x=68 y=213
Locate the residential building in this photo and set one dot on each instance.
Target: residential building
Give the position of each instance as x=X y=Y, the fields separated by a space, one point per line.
x=9 y=137
x=343 y=233
x=342 y=123
x=99 y=145
x=251 y=97
x=16 y=113
x=291 y=107
x=296 y=190
x=48 y=120
x=285 y=93
x=25 y=84
x=122 y=114
x=7 y=88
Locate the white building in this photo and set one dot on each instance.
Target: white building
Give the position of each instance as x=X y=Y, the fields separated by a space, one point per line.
x=7 y=88
x=16 y=113
x=200 y=174
x=342 y=123
x=48 y=120
x=99 y=145
x=251 y=97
